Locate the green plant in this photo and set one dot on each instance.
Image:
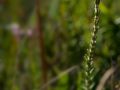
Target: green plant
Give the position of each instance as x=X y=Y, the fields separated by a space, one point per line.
x=88 y=63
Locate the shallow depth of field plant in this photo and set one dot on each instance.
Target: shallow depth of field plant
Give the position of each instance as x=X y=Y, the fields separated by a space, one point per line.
x=59 y=44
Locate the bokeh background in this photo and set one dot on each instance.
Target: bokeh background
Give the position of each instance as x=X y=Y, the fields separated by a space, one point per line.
x=66 y=27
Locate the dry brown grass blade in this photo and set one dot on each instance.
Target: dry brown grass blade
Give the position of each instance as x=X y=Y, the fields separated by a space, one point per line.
x=105 y=77
x=59 y=76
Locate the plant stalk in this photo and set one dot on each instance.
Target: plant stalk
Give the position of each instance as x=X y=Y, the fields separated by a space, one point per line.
x=40 y=34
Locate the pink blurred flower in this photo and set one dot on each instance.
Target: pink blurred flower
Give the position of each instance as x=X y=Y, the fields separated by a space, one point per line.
x=18 y=32
x=15 y=29
x=29 y=32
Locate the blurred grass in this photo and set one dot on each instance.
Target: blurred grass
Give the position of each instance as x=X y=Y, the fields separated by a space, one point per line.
x=66 y=25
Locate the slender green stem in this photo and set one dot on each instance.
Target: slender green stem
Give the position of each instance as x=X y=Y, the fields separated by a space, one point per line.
x=89 y=67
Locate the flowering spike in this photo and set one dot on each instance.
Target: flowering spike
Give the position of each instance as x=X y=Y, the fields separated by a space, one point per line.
x=89 y=67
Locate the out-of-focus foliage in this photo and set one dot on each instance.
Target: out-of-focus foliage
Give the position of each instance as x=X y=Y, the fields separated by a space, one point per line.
x=67 y=25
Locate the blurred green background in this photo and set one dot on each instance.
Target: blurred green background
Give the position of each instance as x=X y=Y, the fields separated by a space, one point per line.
x=66 y=26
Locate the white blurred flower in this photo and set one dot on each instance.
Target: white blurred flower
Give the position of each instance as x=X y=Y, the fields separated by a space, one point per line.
x=15 y=29
x=117 y=21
